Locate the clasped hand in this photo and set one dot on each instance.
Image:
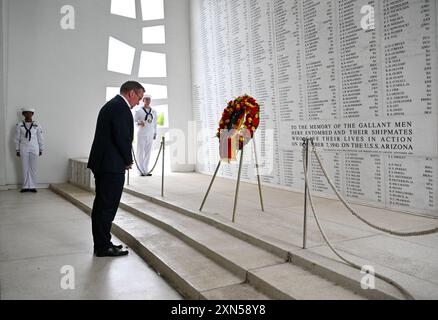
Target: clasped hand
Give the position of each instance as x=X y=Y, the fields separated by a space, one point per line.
x=18 y=153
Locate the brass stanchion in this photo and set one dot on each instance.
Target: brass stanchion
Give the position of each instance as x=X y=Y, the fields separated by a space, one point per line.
x=211 y=183
x=306 y=165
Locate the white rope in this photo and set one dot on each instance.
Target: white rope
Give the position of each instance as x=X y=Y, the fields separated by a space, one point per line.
x=156 y=160
x=393 y=232
x=382 y=277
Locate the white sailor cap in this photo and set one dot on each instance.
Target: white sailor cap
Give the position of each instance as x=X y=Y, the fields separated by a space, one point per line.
x=147 y=96
x=28 y=110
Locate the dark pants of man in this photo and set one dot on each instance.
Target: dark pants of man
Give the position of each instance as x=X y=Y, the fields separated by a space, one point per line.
x=109 y=188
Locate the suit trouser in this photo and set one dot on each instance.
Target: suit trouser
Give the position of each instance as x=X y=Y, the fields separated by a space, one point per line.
x=109 y=188
x=29 y=164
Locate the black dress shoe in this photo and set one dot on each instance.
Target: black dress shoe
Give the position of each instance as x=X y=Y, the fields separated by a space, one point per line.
x=119 y=246
x=24 y=190
x=112 y=252
x=149 y=174
x=33 y=190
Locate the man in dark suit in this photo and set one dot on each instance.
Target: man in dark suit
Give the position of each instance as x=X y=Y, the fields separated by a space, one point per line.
x=110 y=156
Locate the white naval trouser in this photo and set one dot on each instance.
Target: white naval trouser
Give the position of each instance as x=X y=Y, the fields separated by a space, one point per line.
x=144 y=148
x=29 y=163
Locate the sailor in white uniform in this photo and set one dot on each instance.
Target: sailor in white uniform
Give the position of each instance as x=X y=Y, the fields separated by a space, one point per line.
x=29 y=145
x=145 y=119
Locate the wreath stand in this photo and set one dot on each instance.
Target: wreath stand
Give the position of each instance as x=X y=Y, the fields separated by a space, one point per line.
x=238 y=181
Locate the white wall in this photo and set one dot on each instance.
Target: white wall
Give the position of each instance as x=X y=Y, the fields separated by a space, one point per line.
x=2 y=92
x=62 y=73
x=327 y=65
x=177 y=24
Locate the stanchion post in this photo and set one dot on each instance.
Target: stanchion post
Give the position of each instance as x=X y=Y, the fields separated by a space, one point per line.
x=127 y=182
x=238 y=184
x=306 y=163
x=209 y=187
x=163 y=141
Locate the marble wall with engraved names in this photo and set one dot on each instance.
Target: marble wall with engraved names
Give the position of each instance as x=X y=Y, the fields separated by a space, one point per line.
x=360 y=76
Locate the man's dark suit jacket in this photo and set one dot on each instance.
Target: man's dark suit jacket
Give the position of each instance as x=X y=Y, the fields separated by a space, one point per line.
x=111 y=149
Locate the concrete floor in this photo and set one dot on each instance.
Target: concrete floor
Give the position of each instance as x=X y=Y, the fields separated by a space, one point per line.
x=40 y=233
x=411 y=261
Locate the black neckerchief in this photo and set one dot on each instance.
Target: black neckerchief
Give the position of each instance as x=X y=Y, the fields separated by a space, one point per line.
x=28 y=133
x=148 y=114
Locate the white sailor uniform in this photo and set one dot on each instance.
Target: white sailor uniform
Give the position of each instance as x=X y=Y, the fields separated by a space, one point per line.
x=145 y=136
x=29 y=142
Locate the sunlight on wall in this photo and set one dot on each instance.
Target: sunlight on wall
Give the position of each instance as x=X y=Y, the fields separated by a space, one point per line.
x=156 y=91
x=152 y=64
x=125 y=8
x=152 y=9
x=120 y=56
x=154 y=35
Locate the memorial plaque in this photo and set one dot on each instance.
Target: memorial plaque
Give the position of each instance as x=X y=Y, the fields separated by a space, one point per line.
x=359 y=76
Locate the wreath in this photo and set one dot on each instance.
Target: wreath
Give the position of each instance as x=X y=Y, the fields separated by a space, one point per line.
x=240 y=119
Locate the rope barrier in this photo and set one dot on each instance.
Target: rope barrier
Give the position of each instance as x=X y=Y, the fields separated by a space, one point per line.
x=396 y=233
x=356 y=266
x=156 y=160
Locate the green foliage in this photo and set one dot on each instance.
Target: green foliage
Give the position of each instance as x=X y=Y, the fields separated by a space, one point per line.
x=160 y=119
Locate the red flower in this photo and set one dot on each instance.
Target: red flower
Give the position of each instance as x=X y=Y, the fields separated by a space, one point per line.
x=251 y=114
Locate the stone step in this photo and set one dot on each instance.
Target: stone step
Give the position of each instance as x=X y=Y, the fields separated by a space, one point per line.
x=224 y=226
x=289 y=280
x=264 y=270
x=338 y=273
x=261 y=269
x=232 y=253
x=193 y=274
